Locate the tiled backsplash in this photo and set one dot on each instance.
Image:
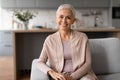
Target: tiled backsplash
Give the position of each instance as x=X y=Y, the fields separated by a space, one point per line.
x=47 y=18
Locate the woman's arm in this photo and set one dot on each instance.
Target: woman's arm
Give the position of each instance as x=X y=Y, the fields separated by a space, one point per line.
x=44 y=57
x=43 y=66
x=86 y=67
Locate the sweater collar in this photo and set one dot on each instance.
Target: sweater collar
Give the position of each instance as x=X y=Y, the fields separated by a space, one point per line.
x=71 y=36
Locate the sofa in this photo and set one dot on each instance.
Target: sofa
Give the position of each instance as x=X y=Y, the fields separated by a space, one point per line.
x=105 y=53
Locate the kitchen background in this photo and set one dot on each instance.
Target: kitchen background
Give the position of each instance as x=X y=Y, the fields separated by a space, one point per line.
x=46 y=18
x=88 y=12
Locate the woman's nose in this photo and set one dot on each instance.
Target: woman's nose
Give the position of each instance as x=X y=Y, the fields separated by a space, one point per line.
x=64 y=20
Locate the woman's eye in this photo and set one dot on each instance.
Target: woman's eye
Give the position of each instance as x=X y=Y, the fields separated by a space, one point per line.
x=61 y=17
x=68 y=17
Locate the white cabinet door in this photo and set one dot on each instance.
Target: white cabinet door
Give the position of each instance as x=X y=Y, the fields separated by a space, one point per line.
x=46 y=4
x=6 y=49
x=116 y=3
x=6 y=36
x=76 y=3
x=6 y=43
x=25 y=3
x=8 y=3
x=0 y=37
x=96 y=3
x=56 y=3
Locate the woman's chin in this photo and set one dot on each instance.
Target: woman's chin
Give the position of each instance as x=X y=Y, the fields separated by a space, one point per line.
x=64 y=29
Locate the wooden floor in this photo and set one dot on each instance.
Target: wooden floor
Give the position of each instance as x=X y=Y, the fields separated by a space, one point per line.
x=6 y=68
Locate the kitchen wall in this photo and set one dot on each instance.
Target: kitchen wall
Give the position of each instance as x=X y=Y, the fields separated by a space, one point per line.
x=0 y=15
x=47 y=18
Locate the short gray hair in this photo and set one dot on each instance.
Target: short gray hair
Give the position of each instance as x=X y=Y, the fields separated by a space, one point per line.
x=66 y=6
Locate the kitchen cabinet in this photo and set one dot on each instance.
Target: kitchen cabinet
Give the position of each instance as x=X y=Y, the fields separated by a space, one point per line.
x=96 y=3
x=116 y=3
x=89 y=3
x=53 y=4
x=25 y=3
x=49 y=3
x=8 y=3
x=6 y=43
x=76 y=3
x=18 y=3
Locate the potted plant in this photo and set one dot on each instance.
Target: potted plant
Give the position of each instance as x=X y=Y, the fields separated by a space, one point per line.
x=24 y=16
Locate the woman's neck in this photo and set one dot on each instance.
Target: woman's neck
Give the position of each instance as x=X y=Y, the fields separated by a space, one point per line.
x=65 y=35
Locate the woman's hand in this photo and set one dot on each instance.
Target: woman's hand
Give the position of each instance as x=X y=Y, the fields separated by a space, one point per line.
x=56 y=76
x=68 y=77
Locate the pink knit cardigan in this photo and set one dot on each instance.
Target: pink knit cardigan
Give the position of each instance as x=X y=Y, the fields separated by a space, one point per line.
x=53 y=52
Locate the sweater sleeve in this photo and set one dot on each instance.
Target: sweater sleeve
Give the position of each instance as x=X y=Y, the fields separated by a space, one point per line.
x=43 y=59
x=86 y=67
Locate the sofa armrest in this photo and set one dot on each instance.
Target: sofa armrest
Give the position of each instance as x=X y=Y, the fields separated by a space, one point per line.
x=36 y=74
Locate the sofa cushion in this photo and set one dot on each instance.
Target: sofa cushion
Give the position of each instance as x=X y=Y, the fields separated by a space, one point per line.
x=105 y=55
x=115 y=76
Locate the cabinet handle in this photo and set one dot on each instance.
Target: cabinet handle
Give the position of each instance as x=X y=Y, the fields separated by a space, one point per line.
x=7 y=32
x=8 y=45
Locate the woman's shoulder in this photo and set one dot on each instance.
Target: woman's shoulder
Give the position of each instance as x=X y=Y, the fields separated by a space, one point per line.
x=80 y=34
x=51 y=37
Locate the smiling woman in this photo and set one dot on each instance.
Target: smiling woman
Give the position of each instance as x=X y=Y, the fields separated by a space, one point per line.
x=67 y=50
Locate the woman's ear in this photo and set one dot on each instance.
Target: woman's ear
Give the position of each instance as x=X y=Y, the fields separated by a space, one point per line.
x=74 y=20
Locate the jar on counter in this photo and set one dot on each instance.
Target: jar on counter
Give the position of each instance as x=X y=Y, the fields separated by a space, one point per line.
x=98 y=21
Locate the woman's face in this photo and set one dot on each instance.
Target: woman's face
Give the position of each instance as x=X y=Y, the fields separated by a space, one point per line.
x=64 y=19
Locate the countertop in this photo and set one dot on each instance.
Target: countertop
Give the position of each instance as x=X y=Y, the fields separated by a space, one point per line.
x=80 y=29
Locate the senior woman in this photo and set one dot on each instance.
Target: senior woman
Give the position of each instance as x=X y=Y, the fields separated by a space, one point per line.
x=66 y=50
